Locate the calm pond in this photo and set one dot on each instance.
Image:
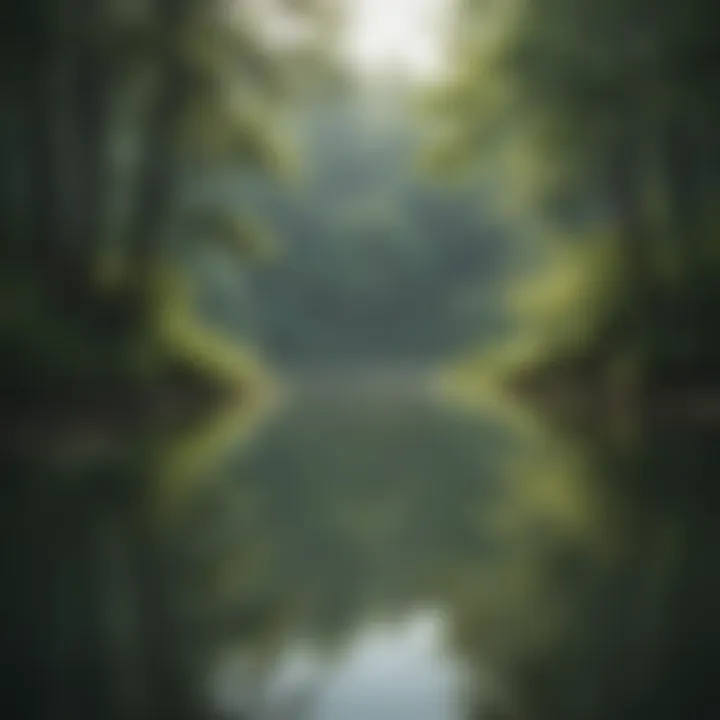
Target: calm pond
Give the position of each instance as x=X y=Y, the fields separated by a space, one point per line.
x=373 y=550
x=430 y=560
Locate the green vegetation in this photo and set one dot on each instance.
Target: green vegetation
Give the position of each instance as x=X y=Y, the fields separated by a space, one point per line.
x=600 y=117
x=143 y=537
x=108 y=111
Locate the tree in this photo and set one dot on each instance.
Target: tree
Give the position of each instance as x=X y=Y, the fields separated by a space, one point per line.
x=111 y=105
x=613 y=101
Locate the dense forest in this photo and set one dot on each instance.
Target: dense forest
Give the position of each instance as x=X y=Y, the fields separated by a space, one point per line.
x=602 y=116
x=108 y=108
x=200 y=199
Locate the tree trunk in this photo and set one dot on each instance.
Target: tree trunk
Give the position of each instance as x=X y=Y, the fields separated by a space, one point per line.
x=91 y=94
x=627 y=186
x=157 y=191
x=680 y=181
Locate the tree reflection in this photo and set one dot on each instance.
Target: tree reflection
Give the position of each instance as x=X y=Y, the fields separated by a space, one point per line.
x=616 y=619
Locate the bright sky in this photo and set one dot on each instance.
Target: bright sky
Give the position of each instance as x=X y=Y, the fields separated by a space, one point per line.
x=402 y=36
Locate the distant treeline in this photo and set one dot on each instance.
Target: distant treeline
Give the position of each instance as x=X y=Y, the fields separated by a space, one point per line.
x=373 y=258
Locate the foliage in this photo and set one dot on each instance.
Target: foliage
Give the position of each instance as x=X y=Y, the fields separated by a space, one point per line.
x=109 y=108
x=609 y=107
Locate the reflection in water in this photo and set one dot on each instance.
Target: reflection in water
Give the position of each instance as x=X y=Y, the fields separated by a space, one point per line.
x=395 y=672
x=579 y=572
x=386 y=671
x=616 y=620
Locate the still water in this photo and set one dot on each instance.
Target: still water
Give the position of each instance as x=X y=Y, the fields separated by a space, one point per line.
x=399 y=669
x=373 y=550
x=366 y=498
x=443 y=562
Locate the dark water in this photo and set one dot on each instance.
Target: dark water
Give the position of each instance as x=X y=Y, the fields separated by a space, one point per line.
x=372 y=550
x=564 y=576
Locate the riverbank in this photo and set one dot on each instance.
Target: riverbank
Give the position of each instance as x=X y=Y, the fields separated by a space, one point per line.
x=82 y=393
x=575 y=394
